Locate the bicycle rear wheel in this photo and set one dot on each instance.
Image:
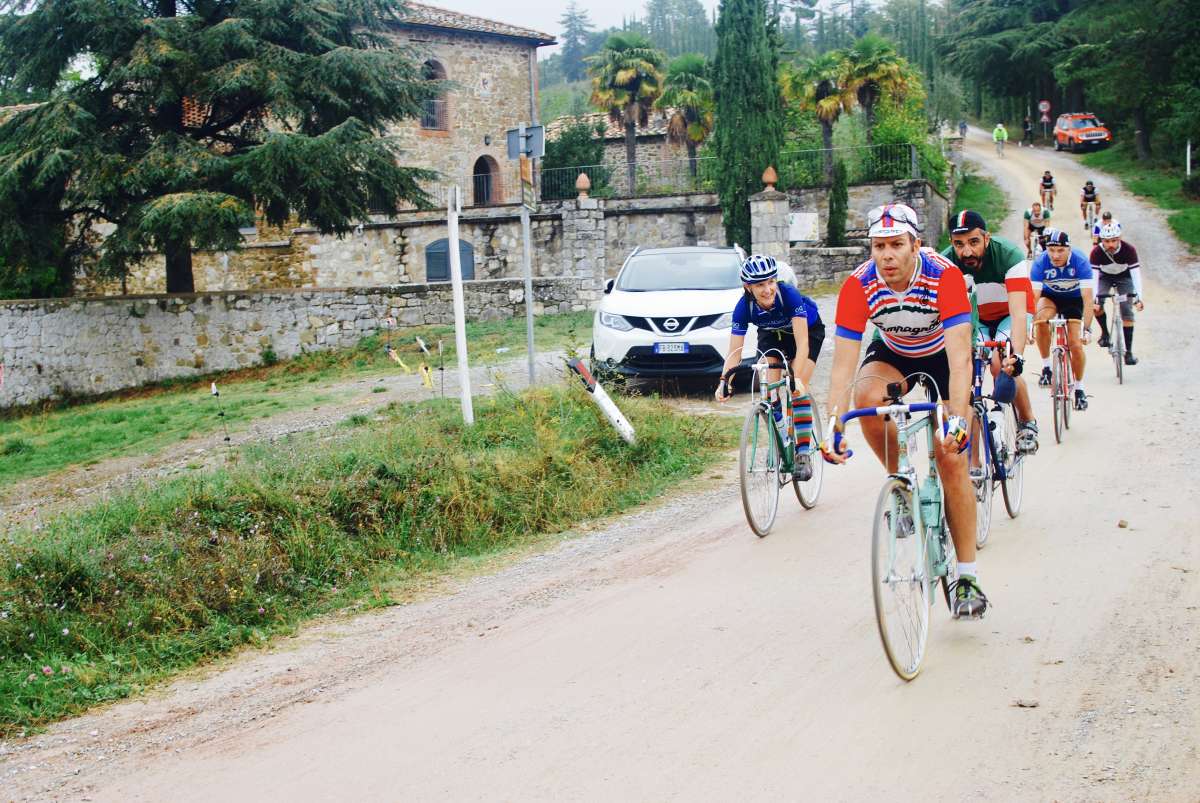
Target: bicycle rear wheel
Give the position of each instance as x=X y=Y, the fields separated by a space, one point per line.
x=758 y=469
x=1118 y=343
x=809 y=491
x=900 y=579
x=1012 y=477
x=982 y=485
x=1068 y=391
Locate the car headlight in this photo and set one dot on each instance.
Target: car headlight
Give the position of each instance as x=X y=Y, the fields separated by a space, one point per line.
x=724 y=322
x=613 y=321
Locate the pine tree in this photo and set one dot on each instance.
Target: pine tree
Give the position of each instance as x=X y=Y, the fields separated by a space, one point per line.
x=576 y=27
x=749 y=125
x=199 y=115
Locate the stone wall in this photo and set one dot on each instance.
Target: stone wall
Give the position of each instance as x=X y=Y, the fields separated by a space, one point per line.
x=56 y=348
x=658 y=223
x=931 y=205
x=819 y=265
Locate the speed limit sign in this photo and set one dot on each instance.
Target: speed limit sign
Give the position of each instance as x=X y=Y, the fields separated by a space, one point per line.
x=1044 y=106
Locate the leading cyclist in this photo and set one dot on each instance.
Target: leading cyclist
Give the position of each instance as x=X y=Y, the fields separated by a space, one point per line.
x=1063 y=283
x=918 y=302
x=788 y=322
x=1089 y=195
x=1002 y=288
x=1118 y=270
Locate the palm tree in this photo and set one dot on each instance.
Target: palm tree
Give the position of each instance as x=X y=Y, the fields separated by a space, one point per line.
x=821 y=86
x=626 y=80
x=873 y=70
x=688 y=94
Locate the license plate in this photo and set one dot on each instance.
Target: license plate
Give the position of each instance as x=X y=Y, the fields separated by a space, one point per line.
x=670 y=348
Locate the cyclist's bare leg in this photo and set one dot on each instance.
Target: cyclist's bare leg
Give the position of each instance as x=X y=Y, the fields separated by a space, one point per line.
x=1046 y=309
x=1075 y=345
x=871 y=391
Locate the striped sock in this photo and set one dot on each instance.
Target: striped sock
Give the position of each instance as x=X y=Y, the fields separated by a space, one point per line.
x=802 y=419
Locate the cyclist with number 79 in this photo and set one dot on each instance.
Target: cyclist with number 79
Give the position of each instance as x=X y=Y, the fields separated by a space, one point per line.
x=788 y=322
x=918 y=301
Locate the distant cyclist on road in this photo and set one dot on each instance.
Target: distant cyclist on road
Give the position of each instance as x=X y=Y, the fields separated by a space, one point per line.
x=1005 y=298
x=1089 y=195
x=1063 y=283
x=1036 y=219
x=788 y=321
x=1118 y=269
x=1000 y=136
x=918 y=302
x=1047 y=189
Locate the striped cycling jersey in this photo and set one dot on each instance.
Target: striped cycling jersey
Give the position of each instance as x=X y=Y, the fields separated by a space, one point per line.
x=1002 y=270
x=911 y=323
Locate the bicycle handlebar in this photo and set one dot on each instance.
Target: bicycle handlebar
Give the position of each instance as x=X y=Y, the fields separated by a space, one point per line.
x=886 y=409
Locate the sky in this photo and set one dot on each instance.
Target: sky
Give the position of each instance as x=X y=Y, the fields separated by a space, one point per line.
x=543 y=16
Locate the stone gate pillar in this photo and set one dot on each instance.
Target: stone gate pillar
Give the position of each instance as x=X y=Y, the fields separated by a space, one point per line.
x=769 y=219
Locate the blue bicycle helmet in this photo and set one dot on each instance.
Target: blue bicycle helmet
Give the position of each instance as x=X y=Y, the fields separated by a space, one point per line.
x=759 y=268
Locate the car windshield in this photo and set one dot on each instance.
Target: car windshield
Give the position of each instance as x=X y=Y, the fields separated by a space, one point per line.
x=1084 y=122
x=686 y=270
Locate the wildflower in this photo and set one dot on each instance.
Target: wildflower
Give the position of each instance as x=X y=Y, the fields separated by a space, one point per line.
x=32 y=677
x=262 y=610
x=66 y=631
x=145 y=558
x=47 y=671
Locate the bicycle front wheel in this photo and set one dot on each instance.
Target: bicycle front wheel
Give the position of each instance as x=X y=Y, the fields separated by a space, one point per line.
x=809 y=492
x=758 y=469
x=900 y=579
x=1056 y=383
x=1118 y=343
x=1068 y=392
x=981 y=481
x=1012 y=463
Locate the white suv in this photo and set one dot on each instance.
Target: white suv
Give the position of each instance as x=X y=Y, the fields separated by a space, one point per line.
x=668 y=313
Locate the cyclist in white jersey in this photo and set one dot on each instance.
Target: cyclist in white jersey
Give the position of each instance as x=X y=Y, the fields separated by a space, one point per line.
x=1036 y=218
x=1119 y=271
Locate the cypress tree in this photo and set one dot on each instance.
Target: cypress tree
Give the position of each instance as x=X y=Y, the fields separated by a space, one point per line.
x=198 y=115
x=749 y=111
x=839 y=201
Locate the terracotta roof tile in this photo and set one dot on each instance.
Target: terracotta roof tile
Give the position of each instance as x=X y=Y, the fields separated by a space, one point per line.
x=656 y=127
x=434 y=17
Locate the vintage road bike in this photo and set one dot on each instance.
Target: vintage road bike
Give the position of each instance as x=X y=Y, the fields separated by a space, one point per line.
x=995 y=459
x=1062 y=376
x=766 y=455
x=911 y=547
x=1116 y=342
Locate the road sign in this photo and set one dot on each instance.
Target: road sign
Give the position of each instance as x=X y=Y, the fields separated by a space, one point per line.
x=1045 y=118
x=1044 y=106
x=528 y=140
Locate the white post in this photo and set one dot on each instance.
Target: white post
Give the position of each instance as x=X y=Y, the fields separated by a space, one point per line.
x=1189 y=158
x=453 y=208
x=528 y=260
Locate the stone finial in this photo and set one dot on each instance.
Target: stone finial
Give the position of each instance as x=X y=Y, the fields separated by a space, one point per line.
x=770 y=177
x=583 y=184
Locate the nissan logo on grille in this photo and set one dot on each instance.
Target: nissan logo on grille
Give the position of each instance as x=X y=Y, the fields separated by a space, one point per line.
x=670 y=324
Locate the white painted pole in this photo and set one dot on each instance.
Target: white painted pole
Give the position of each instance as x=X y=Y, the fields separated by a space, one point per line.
x=453 y=208
x=1189 y=158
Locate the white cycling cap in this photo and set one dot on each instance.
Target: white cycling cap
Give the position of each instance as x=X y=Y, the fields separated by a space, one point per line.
x=890 y=220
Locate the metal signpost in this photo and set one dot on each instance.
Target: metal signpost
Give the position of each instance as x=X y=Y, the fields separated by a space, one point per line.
x=453 y=208
x=1044 y=108
x=526 y=143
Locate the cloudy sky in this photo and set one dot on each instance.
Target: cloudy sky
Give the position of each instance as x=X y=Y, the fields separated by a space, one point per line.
x=543 y=16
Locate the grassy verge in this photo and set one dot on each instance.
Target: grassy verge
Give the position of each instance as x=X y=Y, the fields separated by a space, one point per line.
x=984 y=196
x=1161 y=185
x=150 y=419
x=106 y=600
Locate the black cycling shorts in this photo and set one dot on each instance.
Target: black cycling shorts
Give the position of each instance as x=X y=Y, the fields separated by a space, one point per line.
x=1069 y=308
x=936 y=365
x=783 y=340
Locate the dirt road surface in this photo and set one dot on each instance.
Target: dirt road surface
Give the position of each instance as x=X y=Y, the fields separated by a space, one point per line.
x=672 y=655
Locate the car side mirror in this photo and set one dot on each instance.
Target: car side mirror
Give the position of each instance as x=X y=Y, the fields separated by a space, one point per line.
x=608 y=286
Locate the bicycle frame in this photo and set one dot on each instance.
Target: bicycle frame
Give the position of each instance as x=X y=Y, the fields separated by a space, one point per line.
x=782 y=387
x=979 y=400
x=1116 y=328
x=928 y=515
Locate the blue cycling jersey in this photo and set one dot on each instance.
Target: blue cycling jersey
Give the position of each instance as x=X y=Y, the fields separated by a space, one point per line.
x=789 y=303
x=1064 y=282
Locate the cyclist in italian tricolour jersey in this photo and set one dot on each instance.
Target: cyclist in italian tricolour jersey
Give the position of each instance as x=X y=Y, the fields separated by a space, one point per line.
x=1005 y=296
x=1118 y=270
x=918 y=302
x=1063 y=284
x=787 y=321
x=1036 y=219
